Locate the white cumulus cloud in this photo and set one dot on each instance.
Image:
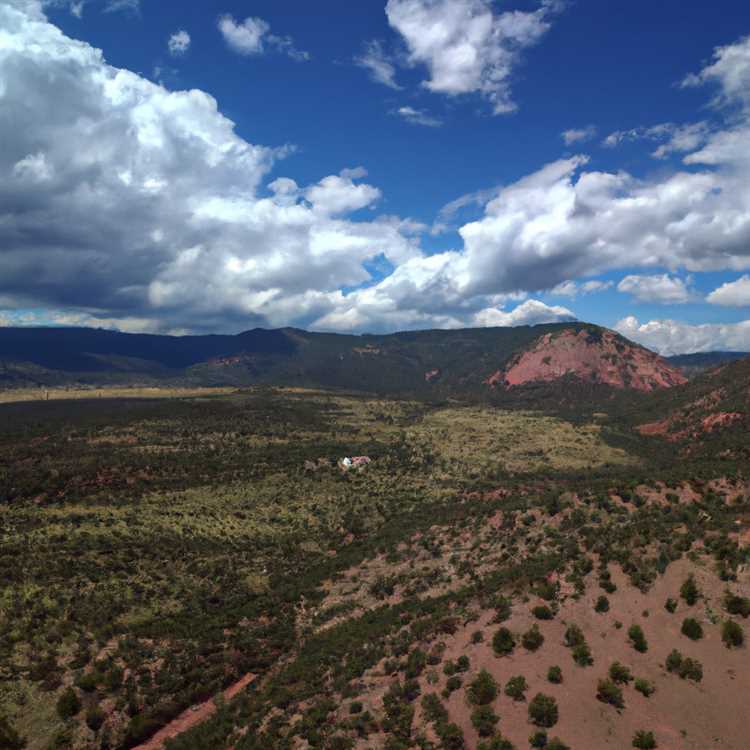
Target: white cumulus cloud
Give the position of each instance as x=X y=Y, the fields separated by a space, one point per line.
x=529 y=313
x=670 y=337
x=732 y=293
x=338 y=194
x=466 y=46
x=151 y=207
x=253 y=37
x=579 y=135
x=178 y=43
x=123 y=200
x=572 y=288
x=673 y=138
x=246 y=37
x=661 y=288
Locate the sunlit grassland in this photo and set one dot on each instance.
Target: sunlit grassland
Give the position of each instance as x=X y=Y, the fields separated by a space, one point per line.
x=31 y=710
x=477 y=440
x=15 y=395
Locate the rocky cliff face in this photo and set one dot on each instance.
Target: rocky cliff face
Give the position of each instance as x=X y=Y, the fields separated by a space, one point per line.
x=592 y=355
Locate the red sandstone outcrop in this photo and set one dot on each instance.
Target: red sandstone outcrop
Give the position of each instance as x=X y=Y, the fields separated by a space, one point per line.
x=598 y=356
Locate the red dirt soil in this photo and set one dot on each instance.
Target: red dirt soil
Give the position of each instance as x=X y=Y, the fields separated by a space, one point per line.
x=710 y=423
x=720 y=419
x=655 y=428
x=193 y=716
x=683 y=715
x=605 y=358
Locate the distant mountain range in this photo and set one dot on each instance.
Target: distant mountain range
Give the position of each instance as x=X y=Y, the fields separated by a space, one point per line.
x=695 y=364
x=439 y=362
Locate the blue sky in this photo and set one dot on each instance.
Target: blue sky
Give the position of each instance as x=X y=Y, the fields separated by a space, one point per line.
x=378 y=165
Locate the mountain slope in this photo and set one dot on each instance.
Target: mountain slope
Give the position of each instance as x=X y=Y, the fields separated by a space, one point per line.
x=591 y=355
x=712 y=411
x=536 y=360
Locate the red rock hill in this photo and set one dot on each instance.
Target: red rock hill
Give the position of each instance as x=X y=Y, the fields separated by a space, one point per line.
x=593 y=355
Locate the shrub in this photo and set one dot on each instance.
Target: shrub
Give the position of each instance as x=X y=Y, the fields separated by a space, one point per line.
x=9 y=738
x=542 y=612
x=644 y=740
x=732 y=634
x=687 y=669
x=449 y=668
x=140 y=728
x=391 y=666
x=602 y=604
x=737 y=605
x=674 y=661
x=608 y=692
x=582 y=655
x=483 y=689
x=483 y=719
x=451 y=737
x=645 y=687
x=556 y=744
x=692 y=629
x=399 y=713
x=689 y=590
x=546 y=590
x=415 y=664
x=462 y=664
x=477 y=637
x=574 y=636
x=532 y=639
x=433 y=709
x=453 y=683
x=538 y=739
x=87 y=682
x=411 y=690
x=543 y=710
x=496 y=743
x=68 y=704
x=605 y=581
x=383 y=587
x=95 y=718
x=691 y=669
x=503 y=642
x=113 y=679
x=670 y=605
x=503 y=609
x=516 y=688
x=637 y=638
x=554 y=675
x=620 y=674
x=355 y=707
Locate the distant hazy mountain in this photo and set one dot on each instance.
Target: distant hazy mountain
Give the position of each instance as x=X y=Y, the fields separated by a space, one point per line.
x=695 y=364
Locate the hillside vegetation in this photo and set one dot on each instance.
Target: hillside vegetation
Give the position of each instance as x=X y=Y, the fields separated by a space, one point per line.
x=507 y=365
x=157 y=552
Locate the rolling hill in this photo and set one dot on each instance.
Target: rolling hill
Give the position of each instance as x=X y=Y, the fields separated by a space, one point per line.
x=710 y=413
x=501 y=362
